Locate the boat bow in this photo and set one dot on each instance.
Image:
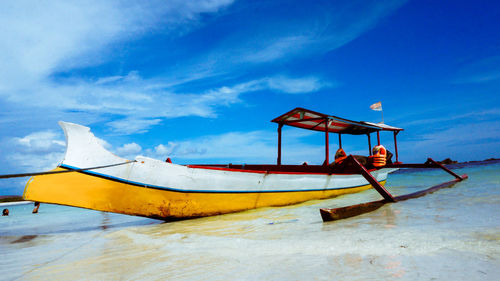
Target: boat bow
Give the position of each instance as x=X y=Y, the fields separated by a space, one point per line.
x=84 y=149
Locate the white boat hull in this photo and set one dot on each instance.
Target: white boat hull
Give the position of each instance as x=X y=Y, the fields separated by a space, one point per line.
x=153 y=188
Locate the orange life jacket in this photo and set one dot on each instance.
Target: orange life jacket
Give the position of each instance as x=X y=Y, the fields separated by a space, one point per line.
x=379 y=156
x=340 y=156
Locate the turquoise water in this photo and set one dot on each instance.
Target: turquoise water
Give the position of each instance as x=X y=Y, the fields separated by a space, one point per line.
x=452 y=234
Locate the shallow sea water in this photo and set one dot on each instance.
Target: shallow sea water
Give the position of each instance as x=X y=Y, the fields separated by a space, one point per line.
x=452 y=234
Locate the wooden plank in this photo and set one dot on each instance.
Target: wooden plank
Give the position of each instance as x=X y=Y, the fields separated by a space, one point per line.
x=430 y=163
x=356 y=210
x=350 y=211
x=430 y=190
x=444 y=168
x=378 y=187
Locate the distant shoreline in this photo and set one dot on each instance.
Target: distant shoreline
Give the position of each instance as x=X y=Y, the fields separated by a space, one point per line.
x=11 y=198
x=449 y=161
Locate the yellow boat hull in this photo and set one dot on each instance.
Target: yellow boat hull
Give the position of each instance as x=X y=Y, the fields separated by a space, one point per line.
x=105 y=194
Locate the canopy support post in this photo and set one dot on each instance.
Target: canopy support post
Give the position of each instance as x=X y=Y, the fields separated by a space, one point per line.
x=279 y=143
x=327 y=161
x=340 y=140
x=369 y=145
x=396 y=145
x=378 y=137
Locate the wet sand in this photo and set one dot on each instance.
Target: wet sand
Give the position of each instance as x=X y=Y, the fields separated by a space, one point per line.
x=452 y=234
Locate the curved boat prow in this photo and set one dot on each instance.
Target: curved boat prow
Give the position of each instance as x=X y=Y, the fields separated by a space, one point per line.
x=83 y=148
x=79 y=189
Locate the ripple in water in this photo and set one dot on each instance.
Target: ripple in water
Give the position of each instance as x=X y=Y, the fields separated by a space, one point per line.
x=452 y=234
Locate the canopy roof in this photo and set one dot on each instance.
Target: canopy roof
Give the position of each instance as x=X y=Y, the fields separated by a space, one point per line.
x=308 y=119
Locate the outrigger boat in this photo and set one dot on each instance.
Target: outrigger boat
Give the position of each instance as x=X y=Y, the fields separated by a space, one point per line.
x=94 y=178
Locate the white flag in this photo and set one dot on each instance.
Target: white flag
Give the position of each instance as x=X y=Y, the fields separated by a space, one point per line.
x=376 y=106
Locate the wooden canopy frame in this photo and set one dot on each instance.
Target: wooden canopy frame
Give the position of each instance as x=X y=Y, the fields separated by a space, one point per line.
x=311 y=120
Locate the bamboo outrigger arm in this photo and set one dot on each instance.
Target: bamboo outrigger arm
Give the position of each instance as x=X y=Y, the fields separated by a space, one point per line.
x=430 y=163
x=378 y=187
x=355 y=210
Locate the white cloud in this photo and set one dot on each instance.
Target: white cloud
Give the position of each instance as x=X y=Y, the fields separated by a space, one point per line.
x=130 y=77
x=39 y=142
x=43 y=37
x=40 y=38
x=241 y=147
x=84 y=34
x=473 y=115
x=296 y=85
x=476 y=141
x=267 y=40
x=163 y=150
x=462 y=134
x=279 y=48
x=132 y=125
x=44 y=150
x=481 y=71
x=129 y=149
x=479 y=78
x=140 y=105
x=181 y=10
x=35 y=163
x=38 y=151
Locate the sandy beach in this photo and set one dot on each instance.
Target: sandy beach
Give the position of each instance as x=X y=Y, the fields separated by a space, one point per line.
x=452 y=234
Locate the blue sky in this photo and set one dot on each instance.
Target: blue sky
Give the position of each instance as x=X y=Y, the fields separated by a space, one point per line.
x=199 y=81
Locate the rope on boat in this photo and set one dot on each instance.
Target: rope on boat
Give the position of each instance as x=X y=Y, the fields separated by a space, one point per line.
x=60 y=172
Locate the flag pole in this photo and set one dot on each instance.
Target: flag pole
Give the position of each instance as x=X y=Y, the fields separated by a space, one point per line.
x=382 y=111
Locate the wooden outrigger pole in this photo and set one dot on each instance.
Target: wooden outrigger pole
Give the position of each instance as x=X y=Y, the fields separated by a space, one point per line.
x=359 y=209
